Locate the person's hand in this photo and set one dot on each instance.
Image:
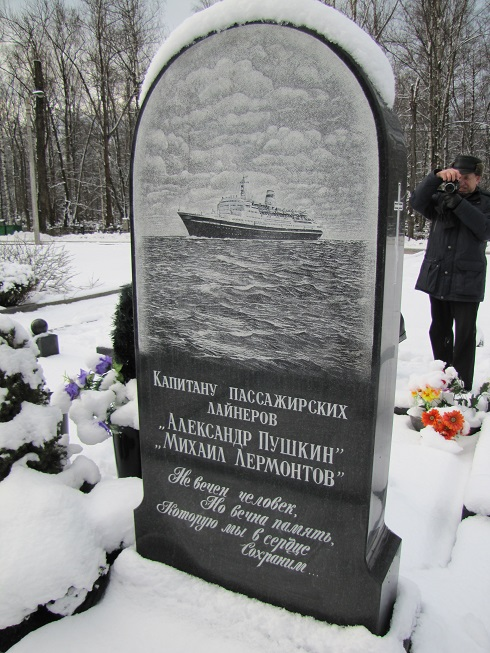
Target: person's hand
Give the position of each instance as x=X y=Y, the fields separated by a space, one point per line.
x=449 y=174
x=451 y=200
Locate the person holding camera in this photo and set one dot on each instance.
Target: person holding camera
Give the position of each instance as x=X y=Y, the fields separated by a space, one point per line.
x=453 y=271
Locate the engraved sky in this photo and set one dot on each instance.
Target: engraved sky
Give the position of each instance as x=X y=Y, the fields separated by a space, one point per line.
x=285 y=112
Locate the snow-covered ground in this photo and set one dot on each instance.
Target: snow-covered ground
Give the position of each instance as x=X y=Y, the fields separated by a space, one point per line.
x=445 y=566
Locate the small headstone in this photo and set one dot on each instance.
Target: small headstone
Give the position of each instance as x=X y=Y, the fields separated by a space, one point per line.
x=266 y=186
x=105 y=351
x=46 y=342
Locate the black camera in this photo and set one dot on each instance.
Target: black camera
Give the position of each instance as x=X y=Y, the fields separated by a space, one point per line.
x=450 y=186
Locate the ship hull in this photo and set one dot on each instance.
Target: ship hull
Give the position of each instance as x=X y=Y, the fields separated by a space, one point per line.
x=208 y=227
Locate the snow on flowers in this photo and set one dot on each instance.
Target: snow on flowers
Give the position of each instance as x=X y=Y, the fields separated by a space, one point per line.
x=98 y=401
x=439 y=400
x=437 y=387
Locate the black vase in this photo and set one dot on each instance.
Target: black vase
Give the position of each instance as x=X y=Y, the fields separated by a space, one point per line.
x=127 y=451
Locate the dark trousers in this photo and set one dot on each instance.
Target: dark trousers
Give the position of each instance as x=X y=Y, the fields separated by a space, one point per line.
x=456 y=349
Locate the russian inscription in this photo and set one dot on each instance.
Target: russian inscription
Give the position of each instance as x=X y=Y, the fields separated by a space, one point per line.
x=288 y=549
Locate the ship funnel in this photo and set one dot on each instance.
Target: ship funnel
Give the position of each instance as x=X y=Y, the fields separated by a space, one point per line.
x=269 y=198
x=242 y=187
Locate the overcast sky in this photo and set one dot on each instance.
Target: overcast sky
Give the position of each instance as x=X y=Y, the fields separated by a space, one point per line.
x=176 y=11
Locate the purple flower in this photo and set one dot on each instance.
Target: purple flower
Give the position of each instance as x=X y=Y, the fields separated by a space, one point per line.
x=104 y=364
x=72 y=389
x=82 y=377
x=104 y=426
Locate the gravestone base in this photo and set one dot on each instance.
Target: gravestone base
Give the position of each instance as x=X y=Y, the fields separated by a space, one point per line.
x=367 y=602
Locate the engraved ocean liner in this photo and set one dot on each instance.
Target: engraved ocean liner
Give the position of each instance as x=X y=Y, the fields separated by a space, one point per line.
x=238 y=216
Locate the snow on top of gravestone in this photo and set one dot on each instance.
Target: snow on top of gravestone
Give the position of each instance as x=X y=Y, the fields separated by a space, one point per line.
x=311 y=14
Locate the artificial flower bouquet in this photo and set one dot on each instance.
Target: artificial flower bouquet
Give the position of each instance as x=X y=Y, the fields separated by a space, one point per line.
x=98 y=401
x=448 y=421
x=440 y=402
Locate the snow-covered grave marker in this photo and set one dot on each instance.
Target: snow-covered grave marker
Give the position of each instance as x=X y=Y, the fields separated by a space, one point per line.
x=46 y=341
x=267 y=253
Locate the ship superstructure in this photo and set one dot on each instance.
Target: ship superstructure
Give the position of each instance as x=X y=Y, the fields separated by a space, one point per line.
x=238 y=216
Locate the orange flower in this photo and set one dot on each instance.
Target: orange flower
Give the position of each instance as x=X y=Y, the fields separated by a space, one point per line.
x=431 y=418
x=448 y=424
x=453 y=421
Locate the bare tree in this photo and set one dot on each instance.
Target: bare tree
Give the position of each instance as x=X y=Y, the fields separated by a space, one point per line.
x=65 y=99
x=139 y=35
x=440 y=69
x=440 y=28
x=92 y=61
x=113 y=81
x=373 y=16
x=469 y=130
x=93 y=55
x=25 y=37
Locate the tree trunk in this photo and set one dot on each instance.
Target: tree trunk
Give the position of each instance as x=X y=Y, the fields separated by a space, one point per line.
x=45 y=214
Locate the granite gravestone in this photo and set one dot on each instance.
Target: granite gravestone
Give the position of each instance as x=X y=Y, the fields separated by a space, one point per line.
x=267 y=252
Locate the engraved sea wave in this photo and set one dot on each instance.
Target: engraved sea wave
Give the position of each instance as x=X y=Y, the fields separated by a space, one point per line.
x=266 y=304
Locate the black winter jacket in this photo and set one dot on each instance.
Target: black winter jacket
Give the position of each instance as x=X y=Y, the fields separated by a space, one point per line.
x=454 y=267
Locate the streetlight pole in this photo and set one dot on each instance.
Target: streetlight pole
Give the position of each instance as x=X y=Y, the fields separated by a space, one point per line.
x=32 y=167
x=32 y=172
